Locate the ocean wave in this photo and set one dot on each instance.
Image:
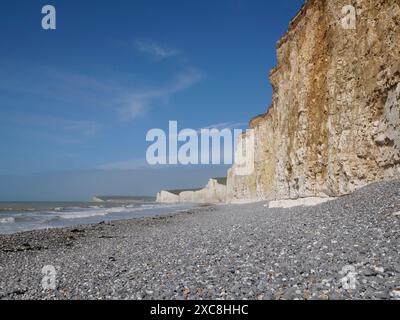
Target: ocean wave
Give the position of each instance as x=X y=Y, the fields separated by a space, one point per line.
x=118 y=210
x=7 y=220
x=82 y=214
x=93 y=212
x=18 y=209
x=150 y=206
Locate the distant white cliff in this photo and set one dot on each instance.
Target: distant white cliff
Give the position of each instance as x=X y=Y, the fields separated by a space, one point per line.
x=213 y=192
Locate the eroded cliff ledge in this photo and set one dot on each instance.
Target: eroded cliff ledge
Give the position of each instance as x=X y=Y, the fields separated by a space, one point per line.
x=334 y=122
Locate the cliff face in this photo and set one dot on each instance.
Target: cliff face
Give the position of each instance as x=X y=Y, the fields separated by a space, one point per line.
x=213 y=192
x=334 y=122
x=167 y=197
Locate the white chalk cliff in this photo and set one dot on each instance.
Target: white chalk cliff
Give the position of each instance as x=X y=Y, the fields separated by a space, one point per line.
x=334 y=122
x=213 y=192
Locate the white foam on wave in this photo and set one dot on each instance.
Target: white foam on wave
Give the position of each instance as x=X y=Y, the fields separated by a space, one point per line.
x=93 y=212
x=7 y=220
x=149 y=206
x=118 y=210
x=83 y=214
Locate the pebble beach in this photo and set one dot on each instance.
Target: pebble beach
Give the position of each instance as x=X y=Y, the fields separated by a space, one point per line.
x=347 y=248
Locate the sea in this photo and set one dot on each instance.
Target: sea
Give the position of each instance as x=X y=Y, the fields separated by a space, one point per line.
x=26 y=216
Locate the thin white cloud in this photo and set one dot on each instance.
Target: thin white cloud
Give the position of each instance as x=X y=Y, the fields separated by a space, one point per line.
x=138 y=103
x=128 y=100
x=83 y=128
x=155 y=50
x=55 y=128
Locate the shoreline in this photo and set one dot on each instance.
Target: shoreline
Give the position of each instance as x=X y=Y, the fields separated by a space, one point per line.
x=79 y=228
x=17 y=221
x=240 y=252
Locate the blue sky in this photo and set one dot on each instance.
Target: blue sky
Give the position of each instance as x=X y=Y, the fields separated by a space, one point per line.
x=78 y=101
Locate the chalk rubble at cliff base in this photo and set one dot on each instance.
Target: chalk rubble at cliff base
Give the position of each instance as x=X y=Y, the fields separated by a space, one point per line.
x=301 y=202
